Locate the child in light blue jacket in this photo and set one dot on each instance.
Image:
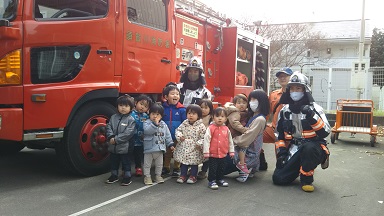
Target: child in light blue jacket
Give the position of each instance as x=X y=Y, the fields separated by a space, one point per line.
x=157 y=138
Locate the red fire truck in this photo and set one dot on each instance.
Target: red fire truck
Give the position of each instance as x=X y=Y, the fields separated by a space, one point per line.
x=64 y=63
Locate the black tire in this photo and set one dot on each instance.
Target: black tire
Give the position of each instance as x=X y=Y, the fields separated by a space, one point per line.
x=10 y=147
x=333 y=138
x=337 y=136
x=79 y=152
x=373 y=141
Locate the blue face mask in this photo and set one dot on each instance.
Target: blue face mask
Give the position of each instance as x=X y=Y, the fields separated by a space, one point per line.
x=296 y=96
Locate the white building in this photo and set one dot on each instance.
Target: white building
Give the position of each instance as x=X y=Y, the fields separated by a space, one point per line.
x=343 y=52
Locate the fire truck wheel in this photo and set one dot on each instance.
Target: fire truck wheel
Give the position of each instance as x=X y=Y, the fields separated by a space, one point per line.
x=10 y=147
x=84 y=150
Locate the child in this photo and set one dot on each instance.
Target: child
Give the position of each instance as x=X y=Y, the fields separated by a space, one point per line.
x=190 y=135
x=237 y=118
x=174 y=115
x=207 y=113
x=217 y=144
x=258 y=109
x=120 y=129
x=156 y=139
x=142 y=104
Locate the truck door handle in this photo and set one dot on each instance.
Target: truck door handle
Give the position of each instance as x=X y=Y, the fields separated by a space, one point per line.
x=106 y=52
x=166 y=61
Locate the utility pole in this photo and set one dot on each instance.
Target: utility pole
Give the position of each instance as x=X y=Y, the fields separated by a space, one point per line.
x=361 y=51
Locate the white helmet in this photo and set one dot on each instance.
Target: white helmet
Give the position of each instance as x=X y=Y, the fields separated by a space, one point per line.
x=195 y=62
x=300 y=79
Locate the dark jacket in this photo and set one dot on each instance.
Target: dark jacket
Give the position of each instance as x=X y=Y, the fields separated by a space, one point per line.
x=122 y=128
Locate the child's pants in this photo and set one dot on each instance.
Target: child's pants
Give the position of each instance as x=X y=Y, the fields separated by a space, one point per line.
x=167 y=160
x=205 y=166
x=115 y=163
x=138 y=155
x=184 y=170
x=216 y=169
x=148 y=158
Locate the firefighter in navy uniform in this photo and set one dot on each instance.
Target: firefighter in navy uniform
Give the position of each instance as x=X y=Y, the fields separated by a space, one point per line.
x=302 y=128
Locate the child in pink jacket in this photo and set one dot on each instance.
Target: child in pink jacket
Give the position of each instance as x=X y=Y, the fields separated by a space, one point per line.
x=217 y=144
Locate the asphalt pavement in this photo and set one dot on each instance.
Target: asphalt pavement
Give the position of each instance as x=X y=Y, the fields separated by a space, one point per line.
x=33 y=183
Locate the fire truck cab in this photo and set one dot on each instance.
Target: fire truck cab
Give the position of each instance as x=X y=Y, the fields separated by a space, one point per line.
x=64 y=63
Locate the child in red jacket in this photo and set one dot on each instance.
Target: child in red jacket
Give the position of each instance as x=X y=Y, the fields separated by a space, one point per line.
x=217 y=144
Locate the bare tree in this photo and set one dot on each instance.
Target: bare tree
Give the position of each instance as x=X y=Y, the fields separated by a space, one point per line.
x=294 y=43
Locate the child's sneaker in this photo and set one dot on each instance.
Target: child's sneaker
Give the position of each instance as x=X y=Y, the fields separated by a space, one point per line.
x=201 y=175
x=126 y=181
x=222 y=183
x=243 y=176
x=242 y=167
x=308 y=187
x=191 y=180
x=251 y=173
x=175 y=173
x=112 y=179
x=181 y=179
x=148 y=180
x=139 y=172
x=213 y=185
x=165 y=171
x=159 y=179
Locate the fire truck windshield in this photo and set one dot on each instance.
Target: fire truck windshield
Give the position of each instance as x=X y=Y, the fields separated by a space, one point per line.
x=8 y=9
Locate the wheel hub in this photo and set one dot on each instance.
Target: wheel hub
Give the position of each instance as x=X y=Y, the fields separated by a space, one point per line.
x=93 y=139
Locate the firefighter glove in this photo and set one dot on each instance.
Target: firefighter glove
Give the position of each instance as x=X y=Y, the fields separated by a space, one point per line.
x=306 y=109
x=281 y=160
x=288 y=127
x=282 y=157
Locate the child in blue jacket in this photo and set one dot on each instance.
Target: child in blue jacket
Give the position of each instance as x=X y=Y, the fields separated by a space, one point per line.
x=142 y=105
x=156 y=140
x=174 y=115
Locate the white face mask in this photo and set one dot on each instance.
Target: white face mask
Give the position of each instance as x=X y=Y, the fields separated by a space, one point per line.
x=254 y=104
x=296 y=96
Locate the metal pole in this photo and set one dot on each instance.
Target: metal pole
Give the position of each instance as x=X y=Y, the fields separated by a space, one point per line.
x=361 y=51
x=329 y=95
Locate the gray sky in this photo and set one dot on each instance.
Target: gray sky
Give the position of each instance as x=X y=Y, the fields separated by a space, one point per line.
x=285 y=11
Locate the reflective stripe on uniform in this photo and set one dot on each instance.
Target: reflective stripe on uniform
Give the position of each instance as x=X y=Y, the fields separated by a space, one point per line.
x=308 y=134
x=309 y=173
x=318 y=125
x=279 y=144
x=325 y=148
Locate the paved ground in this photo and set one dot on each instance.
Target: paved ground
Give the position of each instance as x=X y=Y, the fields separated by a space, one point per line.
x=32 y=183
